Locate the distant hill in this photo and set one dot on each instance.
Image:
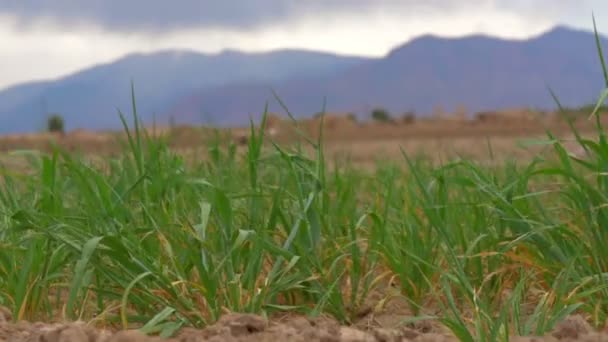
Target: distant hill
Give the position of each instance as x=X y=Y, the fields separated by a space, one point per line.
x=477 y=71
x=90 y=98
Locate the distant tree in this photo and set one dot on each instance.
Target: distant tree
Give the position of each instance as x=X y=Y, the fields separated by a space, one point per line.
x=381 y=115
x=55 y=123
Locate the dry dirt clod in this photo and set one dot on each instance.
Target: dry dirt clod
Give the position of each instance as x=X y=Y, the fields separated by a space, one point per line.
x=572 y=327
x=73 y=334
x=64 y=333
x=5 y=314
x=595 y=337
x=354 y=335
x=131 y=336
x=533 y=339
x=246 y=325
x=392 y=335
x=433 y=337
x=189 y=335
x=229 y=327
x=427 y=327
x=8 y=332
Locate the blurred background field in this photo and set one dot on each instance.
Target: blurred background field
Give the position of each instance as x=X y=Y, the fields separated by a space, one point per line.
x=505 y=134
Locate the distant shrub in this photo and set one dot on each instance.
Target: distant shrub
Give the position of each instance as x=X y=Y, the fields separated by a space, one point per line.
x=381 y=115
x=352 y=117
x=55 y=124
x=486 y=116
x=408 y=117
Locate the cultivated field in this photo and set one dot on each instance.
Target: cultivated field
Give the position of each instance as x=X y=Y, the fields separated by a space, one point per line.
x=433 y=230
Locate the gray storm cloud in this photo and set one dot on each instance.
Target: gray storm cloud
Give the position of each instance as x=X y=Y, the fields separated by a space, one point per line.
x=157 y=15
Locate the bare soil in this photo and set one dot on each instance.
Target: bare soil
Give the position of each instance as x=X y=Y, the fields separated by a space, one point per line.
x=245 y=327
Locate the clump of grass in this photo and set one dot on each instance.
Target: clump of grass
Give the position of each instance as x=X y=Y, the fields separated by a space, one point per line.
x=55 y=124
x=149 y=238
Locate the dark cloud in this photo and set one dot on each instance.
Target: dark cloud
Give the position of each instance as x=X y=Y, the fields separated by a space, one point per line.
x=136 y=15
x=162 y=15
x=157 y=15
x=544 y=7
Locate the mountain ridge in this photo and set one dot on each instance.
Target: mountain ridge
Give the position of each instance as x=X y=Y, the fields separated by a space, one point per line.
x=478 y=71
x=88 y=98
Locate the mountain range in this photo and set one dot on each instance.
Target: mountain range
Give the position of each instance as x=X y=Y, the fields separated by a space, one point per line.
x=478 y=72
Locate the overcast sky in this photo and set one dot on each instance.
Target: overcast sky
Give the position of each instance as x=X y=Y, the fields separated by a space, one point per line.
x=49 y=38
